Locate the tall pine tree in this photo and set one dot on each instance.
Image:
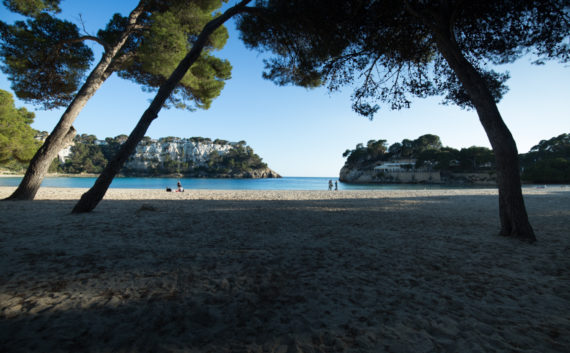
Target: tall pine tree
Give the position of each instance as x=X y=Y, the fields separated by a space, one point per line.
x=94 y=195
x=392 y=50
x=46 y=59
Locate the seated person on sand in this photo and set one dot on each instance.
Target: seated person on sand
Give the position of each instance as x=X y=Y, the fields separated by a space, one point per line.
x=180 y=188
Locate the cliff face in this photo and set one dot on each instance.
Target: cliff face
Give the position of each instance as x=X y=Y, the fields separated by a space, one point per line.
x=197 y=158
x=168 y=156
x=369 y=175
x=253 y=174
x=150 y=153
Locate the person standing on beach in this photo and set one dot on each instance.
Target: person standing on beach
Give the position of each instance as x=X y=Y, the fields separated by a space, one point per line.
x=335 y=185
x=330 y=185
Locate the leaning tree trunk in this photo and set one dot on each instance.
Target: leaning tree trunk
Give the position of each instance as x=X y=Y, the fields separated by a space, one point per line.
x=512 y=211
x=60 y=137
x=93 y=196
x=64 y=132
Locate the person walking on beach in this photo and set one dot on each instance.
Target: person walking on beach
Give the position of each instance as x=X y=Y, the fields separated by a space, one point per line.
x=335 y=185
x=330 y=185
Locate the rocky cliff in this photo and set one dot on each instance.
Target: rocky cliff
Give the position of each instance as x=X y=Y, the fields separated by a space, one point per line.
x=370 y=175
x=423 y=160
x=151 y=153
x=197 y=157
x=169 y=156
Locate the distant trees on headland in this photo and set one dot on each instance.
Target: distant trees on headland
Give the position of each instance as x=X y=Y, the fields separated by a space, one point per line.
x=547 y=162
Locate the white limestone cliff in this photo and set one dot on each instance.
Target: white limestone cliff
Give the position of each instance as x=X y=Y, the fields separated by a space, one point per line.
x=178 y=150
x=192 y=157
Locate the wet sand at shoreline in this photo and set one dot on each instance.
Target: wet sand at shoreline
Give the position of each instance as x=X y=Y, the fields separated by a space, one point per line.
x=283 y=271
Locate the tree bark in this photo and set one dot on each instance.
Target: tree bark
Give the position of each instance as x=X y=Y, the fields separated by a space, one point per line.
x=512 y=211
x=63 y=131
x=93 y=196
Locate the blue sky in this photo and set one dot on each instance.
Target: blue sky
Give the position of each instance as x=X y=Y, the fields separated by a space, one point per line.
x=301 y=132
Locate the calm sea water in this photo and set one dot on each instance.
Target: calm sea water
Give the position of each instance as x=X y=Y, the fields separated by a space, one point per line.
x=286 y=183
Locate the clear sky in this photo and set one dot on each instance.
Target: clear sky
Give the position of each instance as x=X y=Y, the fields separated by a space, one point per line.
x=301 y=132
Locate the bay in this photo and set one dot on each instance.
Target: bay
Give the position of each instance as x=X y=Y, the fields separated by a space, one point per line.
x=285 y=183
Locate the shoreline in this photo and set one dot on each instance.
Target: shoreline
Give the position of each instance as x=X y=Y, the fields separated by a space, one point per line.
x=51 y=175
x=4 y=174
x=282 y=271
x=64 y=193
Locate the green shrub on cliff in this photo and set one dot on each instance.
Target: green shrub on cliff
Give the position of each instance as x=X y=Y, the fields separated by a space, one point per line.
x=85 y=157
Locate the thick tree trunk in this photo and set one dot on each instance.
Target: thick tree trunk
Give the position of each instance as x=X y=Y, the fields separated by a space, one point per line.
x=40 y=164
x=93 y=196
x=63 y=131
x=512 y=211
x=60 y=137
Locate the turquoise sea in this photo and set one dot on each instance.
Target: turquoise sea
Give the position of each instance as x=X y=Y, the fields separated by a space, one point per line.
x=286 y=183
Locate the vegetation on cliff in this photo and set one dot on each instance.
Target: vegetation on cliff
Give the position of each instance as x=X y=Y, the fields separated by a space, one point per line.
x=426 y=150
x=547 y=162
x=240 y=159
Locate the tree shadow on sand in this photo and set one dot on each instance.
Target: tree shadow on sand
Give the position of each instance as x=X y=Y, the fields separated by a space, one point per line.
x=365 y=275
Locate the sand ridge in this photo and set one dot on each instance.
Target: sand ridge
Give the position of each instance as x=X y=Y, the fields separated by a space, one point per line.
x=283 y=271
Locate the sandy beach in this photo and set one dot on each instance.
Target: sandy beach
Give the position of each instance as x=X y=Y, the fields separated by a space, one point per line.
x=283 y=271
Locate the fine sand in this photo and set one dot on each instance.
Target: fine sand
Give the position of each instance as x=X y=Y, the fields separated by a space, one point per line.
x=283 y=271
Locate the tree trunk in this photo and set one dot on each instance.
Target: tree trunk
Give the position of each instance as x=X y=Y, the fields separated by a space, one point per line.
x=63 y=131
x=40 y=164
x=93 y=196
x=60 y=137
x=512 y=211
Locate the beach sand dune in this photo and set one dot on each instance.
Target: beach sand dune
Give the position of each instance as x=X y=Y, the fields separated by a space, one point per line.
x=283 y=271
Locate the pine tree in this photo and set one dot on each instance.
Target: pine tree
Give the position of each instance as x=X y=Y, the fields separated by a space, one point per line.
x=392 y=50
x=94 y=195
x=46 y=59
x=17 y=142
